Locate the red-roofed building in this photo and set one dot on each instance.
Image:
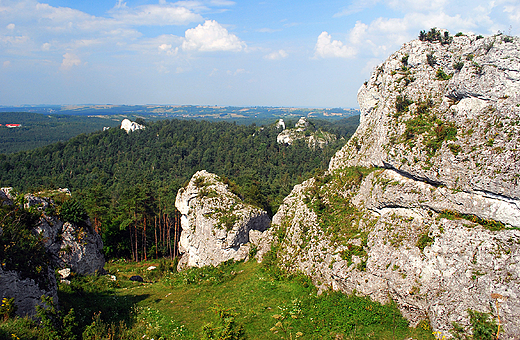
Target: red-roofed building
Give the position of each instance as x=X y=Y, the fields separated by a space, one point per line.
x=13 y=125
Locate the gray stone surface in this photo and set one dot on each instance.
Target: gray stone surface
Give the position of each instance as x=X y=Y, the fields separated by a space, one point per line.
x=421 y=245
x=77 y=247
x=70 y=248
x=216 y=224
x=481 y=100
x=26 y=293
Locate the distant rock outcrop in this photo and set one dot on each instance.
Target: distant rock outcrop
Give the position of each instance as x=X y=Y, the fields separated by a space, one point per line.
x=216 y=225
x=304 y=130
x=130 y=126
x=422 y=205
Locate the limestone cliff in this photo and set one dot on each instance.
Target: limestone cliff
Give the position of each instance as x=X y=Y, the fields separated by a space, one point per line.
x=422 y=204
x=304 y=130
x=130 y=126
x=216 y=225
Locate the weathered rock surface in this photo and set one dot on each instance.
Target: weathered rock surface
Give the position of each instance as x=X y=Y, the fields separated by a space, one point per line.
x=303 y=130
x=26 y=293
x=421 y=206
x=69 y=247
x=479 y=103
x=130 y=126
x=216 y=225
x=77 y=247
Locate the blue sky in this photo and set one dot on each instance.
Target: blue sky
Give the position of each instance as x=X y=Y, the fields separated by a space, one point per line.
x=216 y=52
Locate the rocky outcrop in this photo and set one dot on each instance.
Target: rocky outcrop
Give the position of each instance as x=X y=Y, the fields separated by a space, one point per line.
x=421 y=205
x=216 y=225
x=26 y=292
x=130 y=126
x=75 y=247
x=304 y=130
x=447 y=114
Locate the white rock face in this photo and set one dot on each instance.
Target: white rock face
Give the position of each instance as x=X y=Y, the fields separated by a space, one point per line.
x=216 y=224
x=479 y=103
x=130 y=126
x=280 y=124
x=303 y=130
x=422 y=204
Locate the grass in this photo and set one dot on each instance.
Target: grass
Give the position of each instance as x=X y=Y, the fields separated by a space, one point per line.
x=166 y=306
x=488 y=224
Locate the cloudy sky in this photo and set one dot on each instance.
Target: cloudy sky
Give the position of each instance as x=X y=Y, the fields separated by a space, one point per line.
x=217 y=52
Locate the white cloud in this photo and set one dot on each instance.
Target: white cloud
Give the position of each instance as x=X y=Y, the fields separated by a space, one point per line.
x=70 y=60
x=10 y=27
x=419 y=5
x=155 y=15
x=6 y=64
x=356 y=7
x=358 y=32
x=46 y=47
x=513 y=12
x=236 y=72
x=328 y=48
x=168 y=49
x=277 y=55
x=211 y=36
x=222 y=3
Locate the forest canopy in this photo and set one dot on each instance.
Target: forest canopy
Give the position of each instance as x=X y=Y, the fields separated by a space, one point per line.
x=125 y=180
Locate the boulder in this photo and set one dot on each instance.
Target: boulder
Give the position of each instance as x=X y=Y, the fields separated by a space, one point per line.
x=216 y=224
x=136 y=278
x=74 y=246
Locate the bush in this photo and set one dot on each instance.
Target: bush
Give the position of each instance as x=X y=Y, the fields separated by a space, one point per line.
x=458 y=65
x=435 y=35
x=431 y=60
x=20 y=249
x=402 y=103
x=226 y=327
x=7 y=309
x=73 y=211
x=441 y=75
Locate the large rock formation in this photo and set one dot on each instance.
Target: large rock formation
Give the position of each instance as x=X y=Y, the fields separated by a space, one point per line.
x=130 y=126
x=422 y=204
x=64 y=245
x=74 y=246
x=304 y=130
x=216 y=225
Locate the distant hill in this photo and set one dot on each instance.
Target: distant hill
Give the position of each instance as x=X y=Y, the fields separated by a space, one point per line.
x=38 y=130
x=43 y=125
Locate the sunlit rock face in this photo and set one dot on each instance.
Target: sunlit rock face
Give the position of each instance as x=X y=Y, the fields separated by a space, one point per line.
x=130 y=126
x=216 y=225
x=421 y=206
x=305 y=131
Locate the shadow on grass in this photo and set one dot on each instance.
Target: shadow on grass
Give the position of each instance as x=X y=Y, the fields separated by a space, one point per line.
x=91 y=296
